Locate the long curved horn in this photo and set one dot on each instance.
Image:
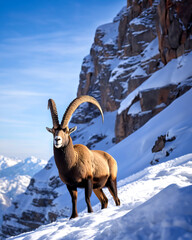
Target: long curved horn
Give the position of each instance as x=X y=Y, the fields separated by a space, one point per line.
x=75 y=104
x=54 y=115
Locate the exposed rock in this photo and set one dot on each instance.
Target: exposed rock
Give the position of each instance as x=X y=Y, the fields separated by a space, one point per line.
x=151 y=103
x=128 y=35
x=152 y=98
x=52 y=216
x=160 y=148
x=118 y=61
x=42 y=202
x=95 y=139
x=159 y=144
x=128 y=123
x=174 y=28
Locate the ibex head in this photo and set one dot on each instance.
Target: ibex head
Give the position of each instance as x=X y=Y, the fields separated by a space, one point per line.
x=61 y=131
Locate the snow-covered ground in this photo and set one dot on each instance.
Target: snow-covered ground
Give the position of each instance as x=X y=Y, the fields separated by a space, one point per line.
x=155 y=200
x=155 y=204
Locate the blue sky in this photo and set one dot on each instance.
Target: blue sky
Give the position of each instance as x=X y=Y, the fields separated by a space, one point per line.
x=42 y=45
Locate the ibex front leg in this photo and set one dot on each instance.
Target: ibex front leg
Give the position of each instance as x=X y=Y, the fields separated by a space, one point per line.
x=88 y=192
x=73 y=193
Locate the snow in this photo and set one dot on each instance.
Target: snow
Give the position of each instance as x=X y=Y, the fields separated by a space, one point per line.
x=86 y=131
x=151 y=50
x=155 y=200
x=117 y=71
x=136 y=21
x=123 y=11
x=135 y=108
x=138 y=72
x=174 y=120
x=155 y=204
x=109 y=33
x=134 y=62
x=162 y=105
x=88 y=63
x=176 y=71
x=7 y=162
x=138 y=33
x=15 y=175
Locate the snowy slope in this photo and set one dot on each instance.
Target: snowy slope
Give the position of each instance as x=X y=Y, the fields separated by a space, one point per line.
x=155 y=200
x=175 y=120
x=88 y=133
x=155 y=204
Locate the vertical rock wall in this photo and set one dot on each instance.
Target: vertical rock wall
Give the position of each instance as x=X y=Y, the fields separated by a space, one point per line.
x=174 y=28
x=128 y=35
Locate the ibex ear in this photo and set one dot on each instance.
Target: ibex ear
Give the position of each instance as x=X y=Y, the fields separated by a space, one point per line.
x=49 y=130
x=72 y=129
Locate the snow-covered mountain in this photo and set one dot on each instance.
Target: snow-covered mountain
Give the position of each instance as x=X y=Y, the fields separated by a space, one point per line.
x=6 y=162
x=155 y=200
x=147 y=129
x=15 y=175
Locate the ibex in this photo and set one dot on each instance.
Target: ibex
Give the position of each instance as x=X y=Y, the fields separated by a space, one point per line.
x=78 y=166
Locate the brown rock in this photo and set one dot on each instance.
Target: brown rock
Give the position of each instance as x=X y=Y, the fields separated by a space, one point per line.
x=52 y=216
x=174 y=25
x=159 y=144
x=154 y=97
x=152 y=102
x=127 y=124
x=135 y=82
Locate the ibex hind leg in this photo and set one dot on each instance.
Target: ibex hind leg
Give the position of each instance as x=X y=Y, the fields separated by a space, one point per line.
x=112 y=186
x=101 y=196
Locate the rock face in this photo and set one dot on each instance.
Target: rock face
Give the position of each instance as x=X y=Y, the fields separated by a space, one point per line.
x=128 y=35
x=144 y=36
x=174 y=28
x=148 y=103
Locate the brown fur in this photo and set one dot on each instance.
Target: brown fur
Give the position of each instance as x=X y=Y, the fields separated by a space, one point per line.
x=78 y=166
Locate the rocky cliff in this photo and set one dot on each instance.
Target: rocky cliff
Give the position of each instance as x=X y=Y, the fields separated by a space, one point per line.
x=174 y=28
x=130 y=71
x=113 y=58
x=142 y=38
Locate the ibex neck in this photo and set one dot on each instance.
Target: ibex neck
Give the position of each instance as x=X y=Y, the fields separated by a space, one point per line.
x=65 y=158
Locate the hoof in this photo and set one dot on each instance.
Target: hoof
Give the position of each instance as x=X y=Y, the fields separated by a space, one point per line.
x=73 y=216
